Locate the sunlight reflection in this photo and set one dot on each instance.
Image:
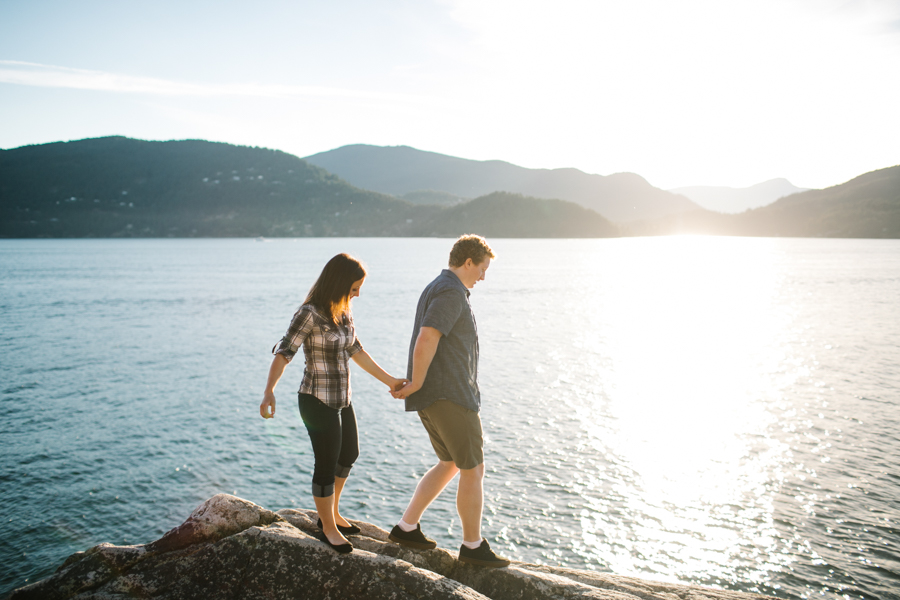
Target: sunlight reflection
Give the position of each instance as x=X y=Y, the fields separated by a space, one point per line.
x=682 y=404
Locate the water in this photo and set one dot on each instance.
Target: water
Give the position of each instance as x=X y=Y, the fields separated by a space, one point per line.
x=720 y=411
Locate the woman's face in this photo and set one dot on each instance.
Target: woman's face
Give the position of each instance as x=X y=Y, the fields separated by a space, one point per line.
x=354 y=289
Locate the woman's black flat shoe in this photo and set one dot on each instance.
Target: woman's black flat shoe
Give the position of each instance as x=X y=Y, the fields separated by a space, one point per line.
x=348 y=530
x=339 y=548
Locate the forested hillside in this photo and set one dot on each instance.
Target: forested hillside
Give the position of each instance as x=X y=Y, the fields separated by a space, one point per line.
x=867 y=206
x=400 y=170
x=120 y=187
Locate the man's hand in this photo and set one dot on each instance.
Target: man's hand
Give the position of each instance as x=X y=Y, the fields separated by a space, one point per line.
x=267 y=407
x=396 y=384
x=406 y=390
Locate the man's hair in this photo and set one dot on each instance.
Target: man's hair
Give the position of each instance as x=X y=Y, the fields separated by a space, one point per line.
x=470 y=246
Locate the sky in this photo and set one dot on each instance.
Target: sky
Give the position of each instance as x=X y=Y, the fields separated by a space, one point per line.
x=681 y=92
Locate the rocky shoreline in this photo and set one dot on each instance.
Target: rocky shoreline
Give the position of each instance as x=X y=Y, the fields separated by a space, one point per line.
x=231 y=548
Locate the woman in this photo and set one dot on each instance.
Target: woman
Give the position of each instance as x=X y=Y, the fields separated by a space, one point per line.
x=324 y=327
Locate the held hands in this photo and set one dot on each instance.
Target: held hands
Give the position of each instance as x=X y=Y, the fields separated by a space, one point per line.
x=267 y=407
x=396 y=384
x=406 y=390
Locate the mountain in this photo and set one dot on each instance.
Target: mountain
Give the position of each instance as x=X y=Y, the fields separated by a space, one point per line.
x=432 y=197
x=121 y=187
x=867 y=206
x=111 y=187
x=399 y=170
x=503 y=214
x=735 y=200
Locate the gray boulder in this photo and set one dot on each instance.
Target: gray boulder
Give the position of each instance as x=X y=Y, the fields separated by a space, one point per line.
x=230 y=548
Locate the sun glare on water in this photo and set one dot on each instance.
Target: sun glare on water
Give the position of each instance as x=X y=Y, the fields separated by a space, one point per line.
x=683 y=360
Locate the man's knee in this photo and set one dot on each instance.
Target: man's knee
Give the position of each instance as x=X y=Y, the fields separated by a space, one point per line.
x=448 y=466
x=476 y=472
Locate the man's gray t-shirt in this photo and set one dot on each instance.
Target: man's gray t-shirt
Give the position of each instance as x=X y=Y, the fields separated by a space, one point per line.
x=453 y=374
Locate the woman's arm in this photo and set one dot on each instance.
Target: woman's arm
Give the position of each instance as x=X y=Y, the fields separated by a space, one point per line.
x=369 y=365
x=267 y=407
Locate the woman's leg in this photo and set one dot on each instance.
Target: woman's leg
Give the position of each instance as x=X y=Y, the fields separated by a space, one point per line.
x=338 y=487
x=325 y=508
x=324 y=427
x=349 y=454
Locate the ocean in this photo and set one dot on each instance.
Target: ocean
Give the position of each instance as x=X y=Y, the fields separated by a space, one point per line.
x=709 y=410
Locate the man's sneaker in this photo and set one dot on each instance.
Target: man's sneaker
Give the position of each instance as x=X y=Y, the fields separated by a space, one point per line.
x=482 y=556
x=413 y=539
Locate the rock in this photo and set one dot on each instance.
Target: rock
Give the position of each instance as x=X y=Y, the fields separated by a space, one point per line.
x=220 y=516
x=231 y=548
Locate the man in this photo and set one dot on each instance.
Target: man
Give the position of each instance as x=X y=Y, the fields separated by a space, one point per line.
x=443 y=389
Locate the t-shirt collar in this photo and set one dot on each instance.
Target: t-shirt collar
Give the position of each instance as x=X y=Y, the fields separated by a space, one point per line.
x=453 y=277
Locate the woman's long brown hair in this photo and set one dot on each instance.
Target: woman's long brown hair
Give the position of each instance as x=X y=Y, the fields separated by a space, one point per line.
x=331 y=291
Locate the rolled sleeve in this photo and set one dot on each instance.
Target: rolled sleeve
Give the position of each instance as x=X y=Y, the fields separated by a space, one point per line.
x=297 y=332
x=355 y=347
x=443 y=310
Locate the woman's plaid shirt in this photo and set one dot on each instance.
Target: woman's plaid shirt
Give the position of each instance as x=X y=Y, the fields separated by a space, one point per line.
x=327 y=348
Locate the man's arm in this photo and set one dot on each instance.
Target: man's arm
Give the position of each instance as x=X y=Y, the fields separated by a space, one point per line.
x=423 y=354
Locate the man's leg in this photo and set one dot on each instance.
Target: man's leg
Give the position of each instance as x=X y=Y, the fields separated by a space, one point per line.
x=470 y=502
x=408 y=532
x=430 y=487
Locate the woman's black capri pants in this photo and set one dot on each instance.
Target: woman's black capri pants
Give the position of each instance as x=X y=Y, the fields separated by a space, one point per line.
x=335 y=441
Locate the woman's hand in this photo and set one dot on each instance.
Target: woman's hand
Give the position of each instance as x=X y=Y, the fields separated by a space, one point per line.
x=267 y=408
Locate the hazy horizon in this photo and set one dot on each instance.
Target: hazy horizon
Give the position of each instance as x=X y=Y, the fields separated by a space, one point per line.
x=690 y=94
x=677 y=190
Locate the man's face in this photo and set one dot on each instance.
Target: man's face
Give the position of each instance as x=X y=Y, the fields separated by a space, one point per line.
x=475 y=273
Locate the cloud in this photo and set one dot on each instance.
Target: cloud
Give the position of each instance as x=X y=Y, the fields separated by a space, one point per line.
x=38 y=75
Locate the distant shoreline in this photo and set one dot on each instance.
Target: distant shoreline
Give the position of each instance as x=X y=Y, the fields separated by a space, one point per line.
x=124 y=188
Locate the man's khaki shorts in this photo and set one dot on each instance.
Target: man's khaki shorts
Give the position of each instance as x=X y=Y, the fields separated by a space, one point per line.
x=455 y=433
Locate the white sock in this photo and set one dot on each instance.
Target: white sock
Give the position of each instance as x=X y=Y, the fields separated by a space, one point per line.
x=405 y=526
x=471 y=545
